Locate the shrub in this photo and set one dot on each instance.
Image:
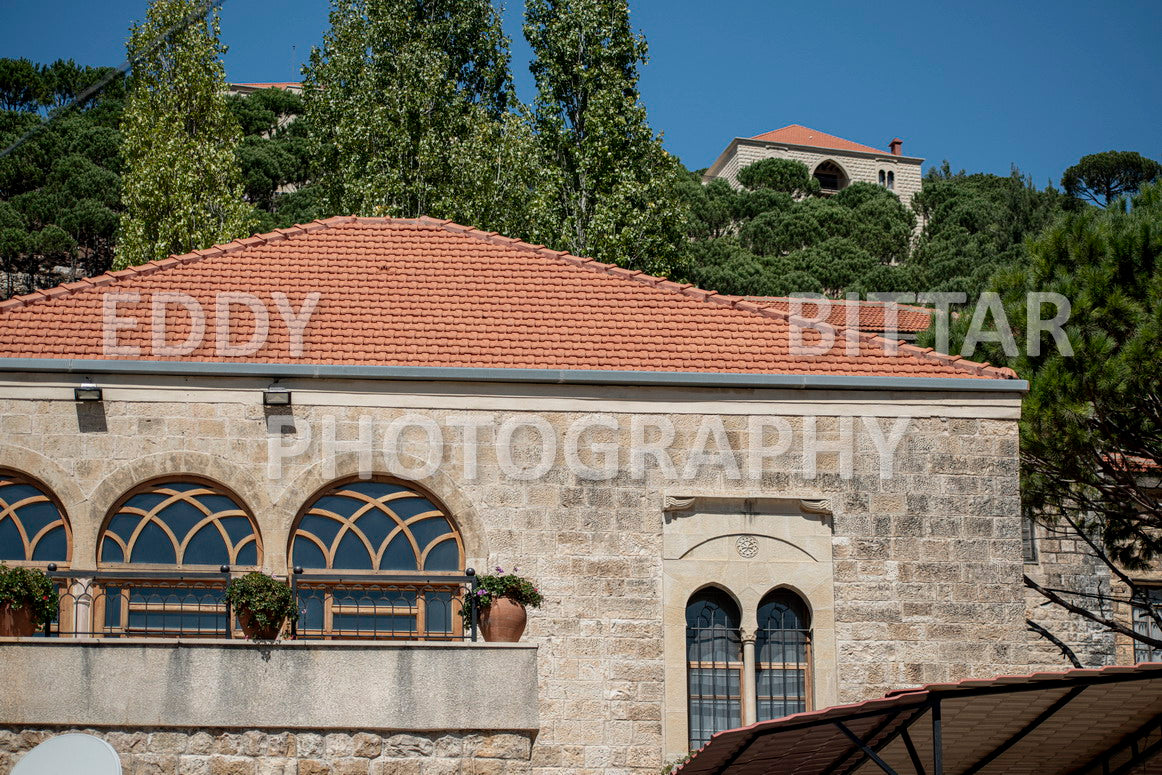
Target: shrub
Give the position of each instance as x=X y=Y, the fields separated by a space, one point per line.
x=20 y=587
x=268 y=600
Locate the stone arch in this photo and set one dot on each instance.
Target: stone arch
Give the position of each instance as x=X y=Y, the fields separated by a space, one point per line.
x=288 y=504
x=248 y=492
x=831 y=175
x=159 y=484
x=403 y=530
x=60 y=484
x=29 y=526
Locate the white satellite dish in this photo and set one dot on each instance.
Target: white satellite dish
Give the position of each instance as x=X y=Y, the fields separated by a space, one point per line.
x=72 y=754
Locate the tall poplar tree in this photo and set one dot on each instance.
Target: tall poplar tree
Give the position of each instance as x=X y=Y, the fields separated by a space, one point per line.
x=411 y=111
x=182 y=183
x=611 y=190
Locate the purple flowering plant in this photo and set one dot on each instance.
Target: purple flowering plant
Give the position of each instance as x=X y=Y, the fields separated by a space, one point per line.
x=500 y=584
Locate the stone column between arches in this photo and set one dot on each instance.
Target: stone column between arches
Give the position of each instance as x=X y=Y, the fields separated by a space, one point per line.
x=747 y=546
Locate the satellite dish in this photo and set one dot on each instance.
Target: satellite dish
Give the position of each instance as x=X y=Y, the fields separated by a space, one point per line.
x=72 y=754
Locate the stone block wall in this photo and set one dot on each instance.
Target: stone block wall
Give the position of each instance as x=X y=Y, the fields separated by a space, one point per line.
x=270 y=752
x=927 y=562
x=1063 y=563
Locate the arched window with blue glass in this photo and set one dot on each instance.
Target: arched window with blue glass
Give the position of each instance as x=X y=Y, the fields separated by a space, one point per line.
x=34 y=529
x=713 y=664
x=370 y=560
x=161 y=553
x=782 y=655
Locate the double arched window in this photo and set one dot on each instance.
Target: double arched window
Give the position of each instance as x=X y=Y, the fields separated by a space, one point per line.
x=168 y=540
x=33 y=526
x=723 y=673
x=359 y=549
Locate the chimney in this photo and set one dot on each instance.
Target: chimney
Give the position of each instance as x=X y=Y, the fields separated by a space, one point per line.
x=895 y=145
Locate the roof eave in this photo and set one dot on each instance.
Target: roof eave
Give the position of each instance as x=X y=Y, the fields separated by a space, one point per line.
x=868 y=154
x=88 y=367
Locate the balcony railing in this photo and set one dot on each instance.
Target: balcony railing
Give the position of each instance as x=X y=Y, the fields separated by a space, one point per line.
x=120 y=604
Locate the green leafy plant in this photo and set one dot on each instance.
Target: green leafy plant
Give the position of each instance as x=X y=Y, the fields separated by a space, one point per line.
x=267 y=600
x=21 y=587
x=669 y=768
x=497 y=585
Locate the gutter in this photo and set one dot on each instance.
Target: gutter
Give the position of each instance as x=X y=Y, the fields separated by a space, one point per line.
x=86 y=368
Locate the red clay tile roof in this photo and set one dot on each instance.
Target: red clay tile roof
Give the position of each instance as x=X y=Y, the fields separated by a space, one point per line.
x=432 y=293
x=802 y=135
x=871 y=315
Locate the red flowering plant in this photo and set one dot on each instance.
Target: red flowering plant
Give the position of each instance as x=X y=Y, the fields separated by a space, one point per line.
x=21 y=587
x=500 y=584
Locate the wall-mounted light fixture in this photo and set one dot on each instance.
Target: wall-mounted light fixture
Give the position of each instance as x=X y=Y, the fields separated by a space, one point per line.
x=87 y=392
x=276 y=395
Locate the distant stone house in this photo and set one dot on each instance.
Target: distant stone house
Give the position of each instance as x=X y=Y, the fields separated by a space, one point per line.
x=835 y=162
x=731 y=519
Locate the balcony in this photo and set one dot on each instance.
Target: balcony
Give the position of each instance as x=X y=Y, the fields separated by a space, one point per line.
x=137 y=651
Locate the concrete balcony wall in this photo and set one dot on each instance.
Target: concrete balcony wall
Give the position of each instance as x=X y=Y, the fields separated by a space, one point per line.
x=290 y=685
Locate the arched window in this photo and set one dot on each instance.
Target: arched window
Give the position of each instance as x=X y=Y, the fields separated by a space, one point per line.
x=33 y=526
x=891 y=180
x=782 y=655
x=160 y=555
x=372 y=555
x=883 y=179
x=831 y=177
x=713 y=664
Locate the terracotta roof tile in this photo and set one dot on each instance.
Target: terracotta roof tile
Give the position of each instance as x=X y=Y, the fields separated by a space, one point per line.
x=433 y=293
x=868 y=315
x=795 y=134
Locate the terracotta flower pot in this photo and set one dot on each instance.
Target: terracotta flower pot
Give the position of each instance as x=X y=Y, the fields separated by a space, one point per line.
x=253 y=630
x=16 y=622
x=503 y=621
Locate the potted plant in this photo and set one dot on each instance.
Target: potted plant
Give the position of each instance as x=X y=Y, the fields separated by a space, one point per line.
x=501 y=599
x=28 y=601
x=263 y=604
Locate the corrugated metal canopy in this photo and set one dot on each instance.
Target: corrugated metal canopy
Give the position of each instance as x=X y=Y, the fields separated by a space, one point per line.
x=1071 y=723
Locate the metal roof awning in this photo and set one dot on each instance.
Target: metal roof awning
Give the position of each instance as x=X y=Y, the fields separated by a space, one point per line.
x=1104 y=722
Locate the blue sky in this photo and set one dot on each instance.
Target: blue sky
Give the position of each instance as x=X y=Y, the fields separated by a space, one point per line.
x=984 y=84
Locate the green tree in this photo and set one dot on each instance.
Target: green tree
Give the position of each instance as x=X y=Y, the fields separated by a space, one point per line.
x=1103 y=177
x=182 y=182
x=784 y=175
x=410 y=111
x=976 y=226
x=62 y=173
x=611 y=191
x=1091 y=425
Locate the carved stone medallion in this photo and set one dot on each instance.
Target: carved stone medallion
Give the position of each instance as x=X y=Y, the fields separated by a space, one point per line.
x=748 y=546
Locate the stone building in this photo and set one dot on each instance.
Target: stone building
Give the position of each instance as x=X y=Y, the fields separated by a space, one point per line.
x=835 y=162
x=731 y=517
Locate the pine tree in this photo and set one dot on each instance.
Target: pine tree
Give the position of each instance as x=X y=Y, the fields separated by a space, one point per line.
x=612 y=190
x=182 y=184
x=411 y=111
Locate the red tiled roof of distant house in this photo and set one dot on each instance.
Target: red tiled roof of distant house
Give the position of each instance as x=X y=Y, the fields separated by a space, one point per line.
x=802 y=135
x=432 y=293
x=867 y=315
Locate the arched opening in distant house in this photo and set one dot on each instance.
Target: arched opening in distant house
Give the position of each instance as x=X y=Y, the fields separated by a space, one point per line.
x=831 y=177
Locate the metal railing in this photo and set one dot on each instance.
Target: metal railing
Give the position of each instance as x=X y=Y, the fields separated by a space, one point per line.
x=121 y=604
